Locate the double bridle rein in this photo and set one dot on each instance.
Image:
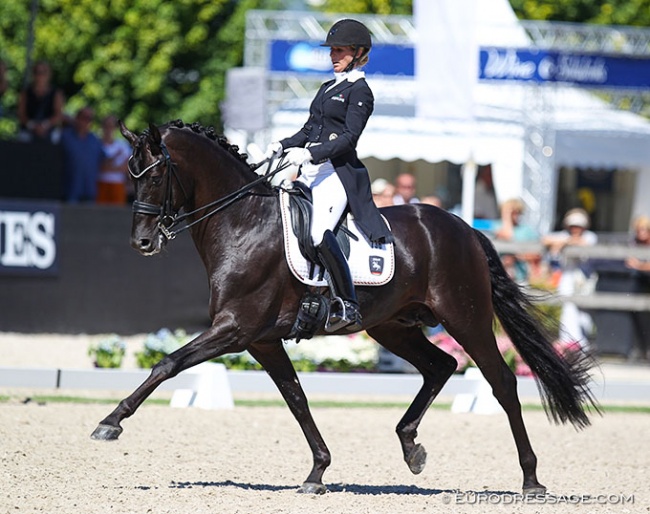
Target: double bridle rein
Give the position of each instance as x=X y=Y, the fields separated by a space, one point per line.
x=168 y=218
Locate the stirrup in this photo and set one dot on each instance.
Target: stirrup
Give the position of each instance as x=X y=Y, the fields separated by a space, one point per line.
x=347 y=316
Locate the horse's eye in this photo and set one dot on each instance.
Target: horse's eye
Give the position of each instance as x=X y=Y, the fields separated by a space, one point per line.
x=156 y=179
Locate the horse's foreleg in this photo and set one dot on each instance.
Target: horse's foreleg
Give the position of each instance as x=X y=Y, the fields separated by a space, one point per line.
x=196 y=351
x=276 y=362
x=436 y=367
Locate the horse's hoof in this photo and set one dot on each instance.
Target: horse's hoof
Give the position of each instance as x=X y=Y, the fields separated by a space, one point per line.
x=417 y=459
x=106 y=433
x=534 y=490
x=312 y=488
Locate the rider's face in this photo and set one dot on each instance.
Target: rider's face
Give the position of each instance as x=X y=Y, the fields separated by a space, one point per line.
x=341 y=57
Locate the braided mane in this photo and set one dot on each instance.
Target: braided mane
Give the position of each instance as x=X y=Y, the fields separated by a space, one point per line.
x=210 y=133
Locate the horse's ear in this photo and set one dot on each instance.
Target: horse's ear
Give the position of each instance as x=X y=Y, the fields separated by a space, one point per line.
x=154 y=134
x=128 y=135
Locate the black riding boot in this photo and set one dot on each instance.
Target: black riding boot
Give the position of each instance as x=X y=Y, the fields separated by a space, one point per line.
x=344 y=309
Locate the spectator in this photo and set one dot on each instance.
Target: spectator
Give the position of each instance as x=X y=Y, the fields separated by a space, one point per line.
x=485 y=201
x=83 y=154
x=111 y=187
x=510 y=228
x=382 y=192
x=40 y=107
x=432 y=200
x=641 y=228
x=576 y=325
x=405 y=189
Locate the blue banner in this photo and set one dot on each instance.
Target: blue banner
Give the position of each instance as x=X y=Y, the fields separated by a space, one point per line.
x=28 y=238
x=310 y=57
x=552 y=66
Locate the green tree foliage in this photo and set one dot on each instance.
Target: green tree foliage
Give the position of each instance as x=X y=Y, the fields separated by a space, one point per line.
x=144 y=60
x=368 y=6
x=612 y=12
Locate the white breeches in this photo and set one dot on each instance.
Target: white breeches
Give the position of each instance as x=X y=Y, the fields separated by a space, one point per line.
x=328 y=196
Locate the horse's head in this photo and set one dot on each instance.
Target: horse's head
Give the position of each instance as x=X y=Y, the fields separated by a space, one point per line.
x=157 y=191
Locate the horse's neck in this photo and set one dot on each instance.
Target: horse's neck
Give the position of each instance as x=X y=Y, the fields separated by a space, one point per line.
x=243 y=231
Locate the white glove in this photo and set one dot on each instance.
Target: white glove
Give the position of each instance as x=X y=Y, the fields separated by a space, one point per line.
x=273 y=150
x=298 y=156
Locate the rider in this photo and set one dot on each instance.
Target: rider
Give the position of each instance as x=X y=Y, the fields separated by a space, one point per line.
x=325 y=151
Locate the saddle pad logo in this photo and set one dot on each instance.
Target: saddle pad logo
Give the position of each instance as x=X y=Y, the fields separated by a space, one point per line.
x=376 y=264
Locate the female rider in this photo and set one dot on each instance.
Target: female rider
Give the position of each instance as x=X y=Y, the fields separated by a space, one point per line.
x=325 y=151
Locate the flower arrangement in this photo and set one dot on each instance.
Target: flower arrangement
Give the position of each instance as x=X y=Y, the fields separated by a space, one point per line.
x=510 y=354
x=160 y=344
x=108 y=352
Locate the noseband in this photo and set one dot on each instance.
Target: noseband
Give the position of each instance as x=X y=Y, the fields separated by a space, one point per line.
x=168 y=218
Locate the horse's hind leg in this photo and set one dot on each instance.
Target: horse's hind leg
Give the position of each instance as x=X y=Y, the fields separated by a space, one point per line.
x=436 y=367
x=276 y=362
x=482 y=347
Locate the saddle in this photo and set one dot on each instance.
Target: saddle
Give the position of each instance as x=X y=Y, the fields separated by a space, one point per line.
x=301 y=207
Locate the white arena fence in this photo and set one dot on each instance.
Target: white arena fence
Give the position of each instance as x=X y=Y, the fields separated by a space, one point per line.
x=211 y=385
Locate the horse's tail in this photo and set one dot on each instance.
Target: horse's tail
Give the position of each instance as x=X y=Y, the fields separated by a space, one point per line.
x=563 y=382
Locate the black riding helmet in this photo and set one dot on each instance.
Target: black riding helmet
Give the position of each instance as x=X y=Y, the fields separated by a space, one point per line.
x=351 y=33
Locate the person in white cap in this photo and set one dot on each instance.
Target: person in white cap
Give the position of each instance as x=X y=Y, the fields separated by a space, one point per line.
x=575 y=324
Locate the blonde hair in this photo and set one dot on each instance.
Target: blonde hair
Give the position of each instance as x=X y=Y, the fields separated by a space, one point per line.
x=363 y=60
x=641 y=222
x=515 y=203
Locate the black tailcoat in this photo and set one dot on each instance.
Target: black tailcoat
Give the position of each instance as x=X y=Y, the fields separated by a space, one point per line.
x=336 y=120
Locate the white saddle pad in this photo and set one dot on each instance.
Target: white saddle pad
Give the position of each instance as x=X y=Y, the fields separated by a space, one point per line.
x=369 y=265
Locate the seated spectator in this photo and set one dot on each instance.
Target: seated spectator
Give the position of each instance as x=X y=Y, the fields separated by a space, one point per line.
x=40 y=107
x=432 y=200
x=113 y=173
x=576 y=325
x=510 y=228
x=83 y=155
x=405 y=186
x=641 y=227
x=382 y=192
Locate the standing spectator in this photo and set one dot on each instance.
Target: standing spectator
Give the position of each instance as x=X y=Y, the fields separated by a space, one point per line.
x=405 y=185
x=83 y=154
x=382 y=192
x=111 y=187
x=641 y=227
x=485 y=200
x=576 y=325
x=40 y=107
x=510 y=228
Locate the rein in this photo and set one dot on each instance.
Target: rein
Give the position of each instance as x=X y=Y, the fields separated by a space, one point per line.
x=169 y=218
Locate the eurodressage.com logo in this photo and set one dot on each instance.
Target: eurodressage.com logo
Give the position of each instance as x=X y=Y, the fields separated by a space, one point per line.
x=471 y=498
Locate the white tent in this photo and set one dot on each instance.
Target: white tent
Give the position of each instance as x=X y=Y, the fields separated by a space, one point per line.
x=445 y=115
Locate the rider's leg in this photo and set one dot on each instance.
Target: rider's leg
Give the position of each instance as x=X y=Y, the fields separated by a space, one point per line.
x=348 y=315
x=329 y=203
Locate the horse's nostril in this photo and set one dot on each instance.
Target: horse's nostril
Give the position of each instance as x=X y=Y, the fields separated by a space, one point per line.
x=145 y=243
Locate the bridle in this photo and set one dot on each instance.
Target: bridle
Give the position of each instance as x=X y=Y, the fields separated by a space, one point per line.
x=168 y=218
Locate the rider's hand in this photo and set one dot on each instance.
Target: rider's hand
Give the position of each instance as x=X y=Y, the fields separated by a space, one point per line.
x=298 y=156
x=273 y=150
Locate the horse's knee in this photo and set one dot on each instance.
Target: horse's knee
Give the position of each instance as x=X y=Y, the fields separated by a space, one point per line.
x=165 y=368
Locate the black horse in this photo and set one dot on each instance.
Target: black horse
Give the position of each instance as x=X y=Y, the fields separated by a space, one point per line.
x=446 y=272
